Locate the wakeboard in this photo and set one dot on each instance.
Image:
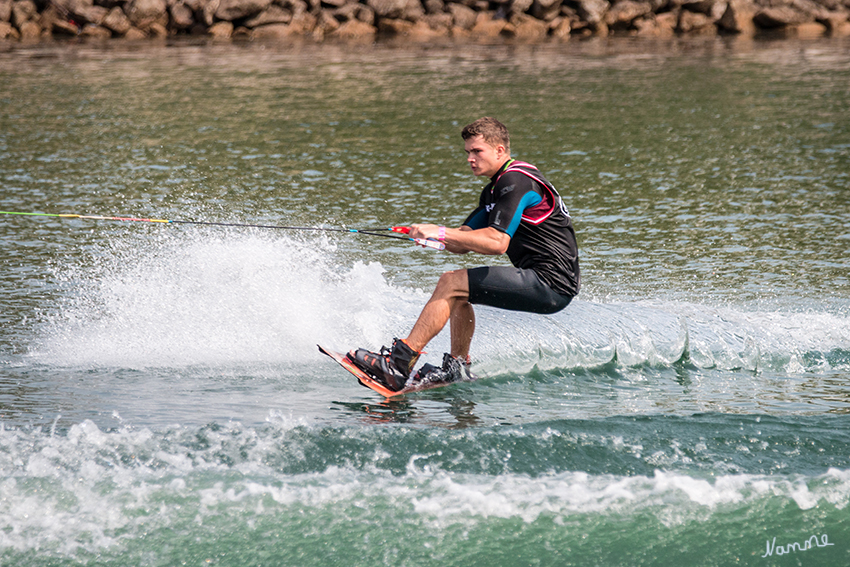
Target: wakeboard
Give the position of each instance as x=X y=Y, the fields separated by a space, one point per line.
x=415 y=385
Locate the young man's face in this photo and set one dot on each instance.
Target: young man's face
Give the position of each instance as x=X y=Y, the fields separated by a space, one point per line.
x=483 y=158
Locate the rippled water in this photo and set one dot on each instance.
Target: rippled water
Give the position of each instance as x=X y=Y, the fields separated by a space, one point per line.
x=161 y=397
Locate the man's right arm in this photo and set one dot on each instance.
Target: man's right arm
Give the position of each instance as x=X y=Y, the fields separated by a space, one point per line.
x=487 y=240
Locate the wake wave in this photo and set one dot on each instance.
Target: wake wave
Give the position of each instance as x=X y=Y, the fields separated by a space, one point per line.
x=653 y=333
x=234 y=298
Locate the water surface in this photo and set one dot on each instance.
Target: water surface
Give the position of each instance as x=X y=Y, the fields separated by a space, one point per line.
x=161 y=396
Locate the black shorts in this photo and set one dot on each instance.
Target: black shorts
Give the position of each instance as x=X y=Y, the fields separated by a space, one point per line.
x=515 y=289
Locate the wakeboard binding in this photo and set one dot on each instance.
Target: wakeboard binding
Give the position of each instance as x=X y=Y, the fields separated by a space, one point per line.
x=391 y=366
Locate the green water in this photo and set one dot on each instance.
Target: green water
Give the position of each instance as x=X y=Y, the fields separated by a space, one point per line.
x=162 y=401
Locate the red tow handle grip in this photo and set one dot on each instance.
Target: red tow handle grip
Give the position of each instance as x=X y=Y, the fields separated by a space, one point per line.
x=427 y=243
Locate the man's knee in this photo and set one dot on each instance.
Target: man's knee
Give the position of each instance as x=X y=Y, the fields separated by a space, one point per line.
x=453 y=284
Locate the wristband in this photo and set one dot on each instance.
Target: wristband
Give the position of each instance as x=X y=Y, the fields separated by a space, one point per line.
x=441 y=233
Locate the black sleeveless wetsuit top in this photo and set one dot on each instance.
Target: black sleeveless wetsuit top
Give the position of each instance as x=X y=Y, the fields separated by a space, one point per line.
x=520 y=202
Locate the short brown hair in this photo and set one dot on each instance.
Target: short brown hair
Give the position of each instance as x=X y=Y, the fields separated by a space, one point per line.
x=493 y=132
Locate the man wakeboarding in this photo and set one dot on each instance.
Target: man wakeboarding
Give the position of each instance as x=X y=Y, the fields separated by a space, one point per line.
x=519 y=213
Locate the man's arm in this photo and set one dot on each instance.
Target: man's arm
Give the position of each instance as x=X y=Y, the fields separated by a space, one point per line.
x=461 y=240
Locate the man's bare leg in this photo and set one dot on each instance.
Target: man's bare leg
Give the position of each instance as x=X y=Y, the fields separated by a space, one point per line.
x=462 y=328
x=450 y=296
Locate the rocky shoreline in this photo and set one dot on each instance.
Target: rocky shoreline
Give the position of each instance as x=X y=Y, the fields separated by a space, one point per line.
x=418 y=20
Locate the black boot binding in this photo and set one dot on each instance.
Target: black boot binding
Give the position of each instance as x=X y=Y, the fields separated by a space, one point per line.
x=391 y=367
x=453 y=369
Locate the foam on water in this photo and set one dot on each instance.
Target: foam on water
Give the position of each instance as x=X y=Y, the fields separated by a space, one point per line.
x=233 y=298
x=89 y=491
x=216 y=298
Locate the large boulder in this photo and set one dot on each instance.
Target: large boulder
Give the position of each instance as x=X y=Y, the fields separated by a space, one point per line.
x=143 y=13
x=117 y=21
x=410 y=10
x=527 y=28
x=230 y=10
x=355 y=31
x=22 y=12
x=836 y=22
x=434 y=6
x=690 y=22
x=30 y=30
x=297 y=7
x=423 y=31
x=303 y=23
x=560 y=28
x=810 y=30
x=82 y=11
x=592 y=11
x=355 y=11
x=271 y=32
x=52 y=21
x=781 y=16
x=486 y=26
x=5 y=10
x=816 y=9
x=546 y=10
x=135 y=34
x=414 y=10
x=711 y=8
x=207 y=12
x=325 y=24
x=388 y=8
x=221 y=30
x=92 y=15
x=462 y=16
x=441 y=23
x=182 y=16
x=657 y=25
x=196 y=6
x=95 y=32
x=738 y=17
x=622 y=14
x=7 y=31
x=274 y=14
x=394 y=27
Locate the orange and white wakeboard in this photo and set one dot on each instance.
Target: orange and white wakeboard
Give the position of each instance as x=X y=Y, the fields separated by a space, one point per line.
x=369 y=382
